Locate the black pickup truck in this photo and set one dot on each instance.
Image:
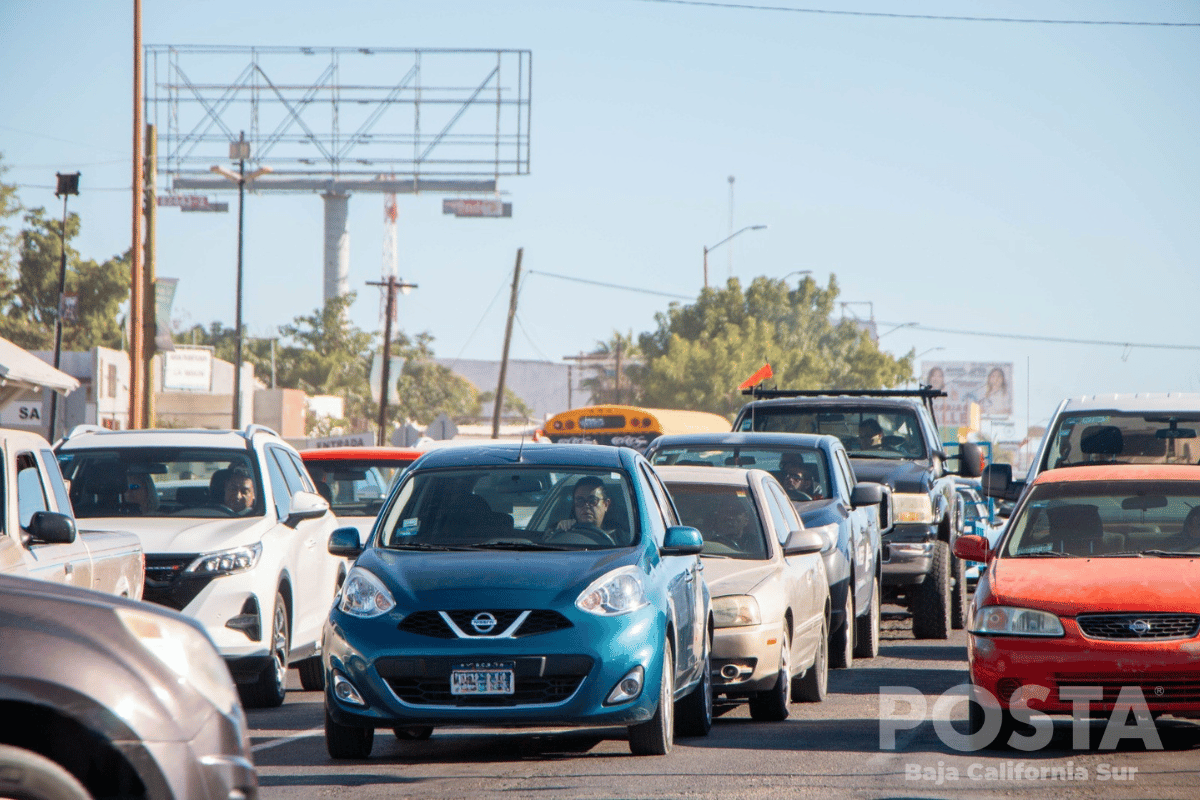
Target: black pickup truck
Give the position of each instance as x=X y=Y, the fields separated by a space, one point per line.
x=892 y=438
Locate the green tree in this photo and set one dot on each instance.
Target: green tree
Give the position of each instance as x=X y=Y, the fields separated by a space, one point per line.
x=513 y=406
x=30 y=299
x=702 y=351
x=10 y=206
x=614 y=367
x=427 y=388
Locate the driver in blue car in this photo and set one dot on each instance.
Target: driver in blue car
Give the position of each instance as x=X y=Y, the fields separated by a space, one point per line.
x=590 y=504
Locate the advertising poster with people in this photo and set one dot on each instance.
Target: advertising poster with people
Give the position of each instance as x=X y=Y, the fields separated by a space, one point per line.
x=987 y=383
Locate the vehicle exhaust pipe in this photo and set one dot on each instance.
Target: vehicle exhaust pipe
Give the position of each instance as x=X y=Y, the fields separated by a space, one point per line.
x=730 y=672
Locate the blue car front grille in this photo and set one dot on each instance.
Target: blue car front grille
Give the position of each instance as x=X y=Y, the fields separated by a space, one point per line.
x=433 y=623
x=539 y=680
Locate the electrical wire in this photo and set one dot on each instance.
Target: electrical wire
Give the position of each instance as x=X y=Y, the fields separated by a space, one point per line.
x=929 y=17
x=477 y=324
x=611 y=285
x=1030 y=338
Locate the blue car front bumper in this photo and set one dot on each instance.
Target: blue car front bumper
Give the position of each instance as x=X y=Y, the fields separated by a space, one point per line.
x=562 y=677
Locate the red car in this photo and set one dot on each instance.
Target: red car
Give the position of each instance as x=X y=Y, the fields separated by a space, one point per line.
x=1093 y=592
x=355 y=480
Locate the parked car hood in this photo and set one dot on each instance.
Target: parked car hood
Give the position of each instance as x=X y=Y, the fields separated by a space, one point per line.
x=727 y=576
x=902 y=476
x=184 y=534
x=1069 y=586
x=463 y=579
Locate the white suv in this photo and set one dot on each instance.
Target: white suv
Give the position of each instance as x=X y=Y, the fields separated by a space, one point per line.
x=251 y=564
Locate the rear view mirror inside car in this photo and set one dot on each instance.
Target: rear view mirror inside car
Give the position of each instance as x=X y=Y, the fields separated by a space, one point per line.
x=1143 y=502
x=1175 y=433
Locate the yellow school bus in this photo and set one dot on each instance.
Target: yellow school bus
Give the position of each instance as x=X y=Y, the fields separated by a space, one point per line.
x=628 y=426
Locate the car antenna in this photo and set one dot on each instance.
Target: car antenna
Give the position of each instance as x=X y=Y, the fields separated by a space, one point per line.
x=521 y=449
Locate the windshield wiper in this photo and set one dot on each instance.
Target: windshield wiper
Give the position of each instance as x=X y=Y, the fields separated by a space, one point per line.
x=424 y=546
x=510 y=545
x=1156 y=553
x=1043 y=554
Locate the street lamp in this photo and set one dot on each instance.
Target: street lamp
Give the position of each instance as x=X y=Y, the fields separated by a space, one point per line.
x=926 y=352
x=239 y=150
x=723 y=241
x=68 y=184
x=797 y=272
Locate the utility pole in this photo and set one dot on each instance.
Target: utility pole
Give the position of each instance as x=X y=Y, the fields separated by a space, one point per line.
x=392 y=285
x=137 y=298
x=617 y=380
x=68 y=184
x=512 y=312
x=242 y=150
x=150 y=312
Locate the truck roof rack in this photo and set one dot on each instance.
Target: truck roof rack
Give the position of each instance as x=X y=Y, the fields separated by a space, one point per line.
x=925 y=393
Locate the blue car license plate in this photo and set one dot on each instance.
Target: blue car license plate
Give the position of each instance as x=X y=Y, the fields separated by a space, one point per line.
x=490 y=678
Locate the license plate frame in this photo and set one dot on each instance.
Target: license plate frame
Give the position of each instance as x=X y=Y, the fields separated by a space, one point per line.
x=483 y=679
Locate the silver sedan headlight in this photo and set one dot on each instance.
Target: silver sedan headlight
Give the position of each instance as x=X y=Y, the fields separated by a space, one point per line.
x=735 y=611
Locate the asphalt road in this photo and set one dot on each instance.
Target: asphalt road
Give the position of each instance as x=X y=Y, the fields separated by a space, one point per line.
x=832 y=749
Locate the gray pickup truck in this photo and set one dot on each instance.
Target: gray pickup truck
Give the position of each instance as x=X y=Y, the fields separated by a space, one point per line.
x=39 y=537
x=892 y=439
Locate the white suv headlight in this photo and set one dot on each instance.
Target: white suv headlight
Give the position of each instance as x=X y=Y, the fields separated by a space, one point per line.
x=226 y=562
x=617 y=592
x=734 y=611
x=363 y=595
x=910 y=508
x=1010 y=621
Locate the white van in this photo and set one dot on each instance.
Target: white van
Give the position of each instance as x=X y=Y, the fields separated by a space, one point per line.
x=1144 y=428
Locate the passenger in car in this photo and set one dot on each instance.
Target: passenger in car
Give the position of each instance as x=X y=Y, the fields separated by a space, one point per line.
x=1188 y=537
x=140 y=493
x=870 y=434
x=590 y=505
x=800 y=480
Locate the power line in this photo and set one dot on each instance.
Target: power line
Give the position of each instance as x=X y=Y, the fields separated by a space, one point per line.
x=610 y=285
x=1058 y=339
x=933 y=17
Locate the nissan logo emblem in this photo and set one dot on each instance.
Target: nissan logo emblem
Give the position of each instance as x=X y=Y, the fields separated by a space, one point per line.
x=483 y=622
x=1139 y=626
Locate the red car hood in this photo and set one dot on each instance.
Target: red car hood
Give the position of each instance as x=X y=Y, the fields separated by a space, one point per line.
x=1067 y=586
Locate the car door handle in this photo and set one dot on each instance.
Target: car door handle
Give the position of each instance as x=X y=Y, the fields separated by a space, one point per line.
x=68 y=568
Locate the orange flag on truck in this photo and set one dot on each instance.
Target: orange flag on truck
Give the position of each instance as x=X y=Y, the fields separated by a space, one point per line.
x=763 y=373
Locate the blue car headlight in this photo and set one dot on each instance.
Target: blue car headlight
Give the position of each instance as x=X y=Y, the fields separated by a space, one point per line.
x=614 y=593
x=363 y=595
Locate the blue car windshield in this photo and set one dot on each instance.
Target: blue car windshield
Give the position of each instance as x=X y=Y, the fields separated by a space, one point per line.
x=507 y=508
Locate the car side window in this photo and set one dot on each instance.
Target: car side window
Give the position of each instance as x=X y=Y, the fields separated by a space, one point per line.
x=663 y=497
x=279 y=486
x=656 y=520
x=783 y=514
x=57 y=484
x=31 y=495
x=845 y=473
x=302 y=471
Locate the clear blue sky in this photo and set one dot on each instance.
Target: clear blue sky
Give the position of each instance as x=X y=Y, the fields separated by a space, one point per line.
x=1036 y=180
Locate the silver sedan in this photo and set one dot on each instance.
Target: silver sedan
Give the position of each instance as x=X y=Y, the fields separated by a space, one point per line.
x=770 y=595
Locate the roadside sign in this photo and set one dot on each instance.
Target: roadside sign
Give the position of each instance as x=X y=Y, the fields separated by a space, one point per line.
x=474 y=207
x=190 y=202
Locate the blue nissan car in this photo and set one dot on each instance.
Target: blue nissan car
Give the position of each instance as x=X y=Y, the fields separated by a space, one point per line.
x=521 y=585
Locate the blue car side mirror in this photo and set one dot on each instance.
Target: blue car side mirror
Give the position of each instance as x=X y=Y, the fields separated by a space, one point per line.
x=344 y=542
x=682 y=540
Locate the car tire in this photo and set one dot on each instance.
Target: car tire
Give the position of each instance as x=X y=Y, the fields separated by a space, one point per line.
x=270 y=689
x=772 y=705
x=866 y=634
x=413 y=733
x=656 y=736
x=347 y=741
x=813 y=685
x=694 y=712
x=958 y=594
x=931 y=601
x=841 y=643
x=312 y=674
x=26 y=775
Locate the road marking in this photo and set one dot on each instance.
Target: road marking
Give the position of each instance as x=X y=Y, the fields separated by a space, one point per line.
x=287 y=739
